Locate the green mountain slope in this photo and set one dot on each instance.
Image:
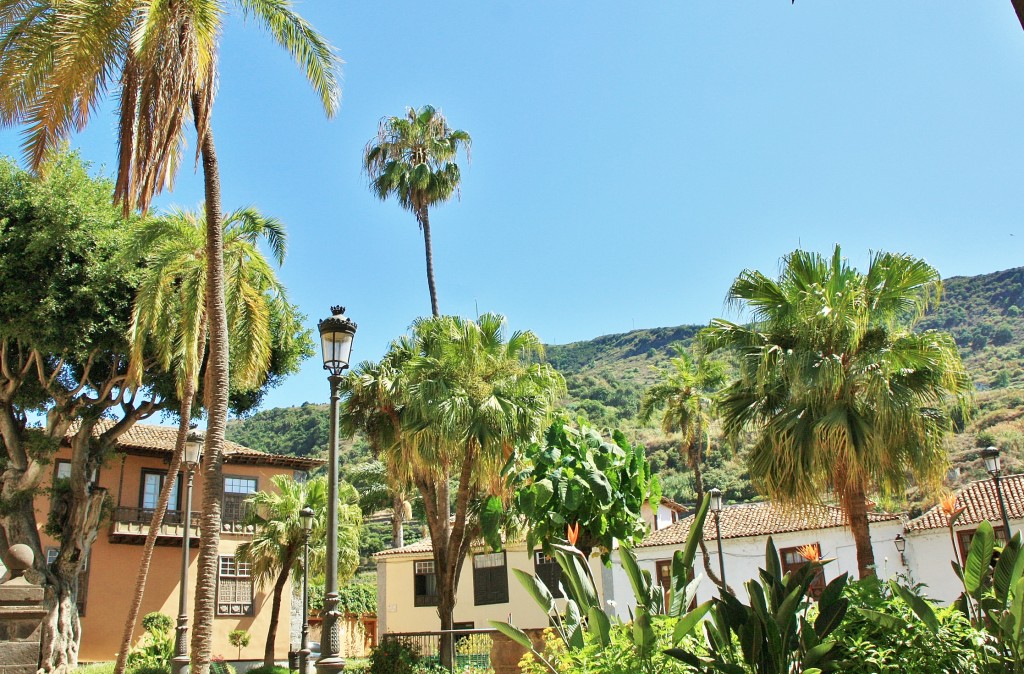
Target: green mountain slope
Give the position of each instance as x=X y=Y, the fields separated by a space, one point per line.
x=607 y=376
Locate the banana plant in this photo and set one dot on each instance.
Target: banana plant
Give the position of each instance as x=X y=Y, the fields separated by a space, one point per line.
x=772 y=634
x=583 y=613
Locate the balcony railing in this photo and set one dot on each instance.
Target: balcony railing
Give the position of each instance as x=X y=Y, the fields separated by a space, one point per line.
x=131 y=525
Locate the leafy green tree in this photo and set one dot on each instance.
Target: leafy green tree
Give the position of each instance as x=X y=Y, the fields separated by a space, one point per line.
x=449 y=403
x=685 y=397
x=413 y=159
x=57 y=62
x=65 y=306
x=840 y=394
x=169 y=320
x=275 y=551
x=577 y=481
x=378 y=491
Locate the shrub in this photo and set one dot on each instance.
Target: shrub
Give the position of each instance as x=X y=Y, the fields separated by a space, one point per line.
x=239 y=639
x=157 y=622
x=219 y=666
x=394 y=656
x=155 y=648
x=150 y=669
x=273 y=669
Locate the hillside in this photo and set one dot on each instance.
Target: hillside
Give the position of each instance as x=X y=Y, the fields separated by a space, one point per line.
x=607 y=376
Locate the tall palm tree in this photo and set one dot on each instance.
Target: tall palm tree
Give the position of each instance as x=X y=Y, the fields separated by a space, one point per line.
x=685 y=397
x=841 y=394
x=169 y=320
x=378 y=491
x=460 y=395
x=275 y=550
x=57 y=60
x=413 y=158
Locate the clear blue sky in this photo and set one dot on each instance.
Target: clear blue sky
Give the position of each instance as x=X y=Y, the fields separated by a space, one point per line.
x=629 y=159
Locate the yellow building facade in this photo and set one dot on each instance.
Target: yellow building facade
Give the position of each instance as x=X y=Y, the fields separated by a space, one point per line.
x=133 y=479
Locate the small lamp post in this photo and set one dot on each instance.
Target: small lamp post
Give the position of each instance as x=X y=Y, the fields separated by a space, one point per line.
x=193 y=456
x=336 y=335
x=306 y=518
x=901 y=547
x=716 y=508
x=994 y=466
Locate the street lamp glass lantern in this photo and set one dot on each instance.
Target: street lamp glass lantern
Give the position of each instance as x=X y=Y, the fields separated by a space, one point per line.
x=901 y=543
x=336 y=335
x=194 y=447
x=993 y=464
x=306 y=517
x=716 y=500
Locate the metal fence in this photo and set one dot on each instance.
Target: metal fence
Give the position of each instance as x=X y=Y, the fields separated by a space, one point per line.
x=472 y=647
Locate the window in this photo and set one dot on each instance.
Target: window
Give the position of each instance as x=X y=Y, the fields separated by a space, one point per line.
x=152 y=483
x=490 y=579
x=547 y=569
x=663 y=570
x=424 y=584
x=964 y=536
x=63 y=471
x=793 y=560
x=51 y=555
x=236 y=490
x=234 y=588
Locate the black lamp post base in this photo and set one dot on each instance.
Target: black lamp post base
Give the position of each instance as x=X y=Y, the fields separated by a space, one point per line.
x=180 y=664
x=330 y=665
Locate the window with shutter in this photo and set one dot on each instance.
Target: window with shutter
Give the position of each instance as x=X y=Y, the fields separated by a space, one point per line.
x=424 y=584
x=547 y=569
x=236 y=490
x=234 y=587
x=490 y=579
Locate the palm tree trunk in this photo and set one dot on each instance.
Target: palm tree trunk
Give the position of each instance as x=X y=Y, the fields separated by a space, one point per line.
x=1018 y=7
x=423 y=216
x=155 y=523
x=397 y=517
x=275 y=611
x=855 y=503
x=695 y=457
x=216 y=394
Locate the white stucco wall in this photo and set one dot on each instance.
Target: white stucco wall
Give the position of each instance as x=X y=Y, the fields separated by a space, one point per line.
x=744 y=556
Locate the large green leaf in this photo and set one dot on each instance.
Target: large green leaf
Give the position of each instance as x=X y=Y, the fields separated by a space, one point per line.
x=536 y=588
x=513 y=633
x=696 y=532
x=1008 y=569
x=921 y=608
x=544 y=490
x=599 y=626
x=688 y=622
x=979 y=557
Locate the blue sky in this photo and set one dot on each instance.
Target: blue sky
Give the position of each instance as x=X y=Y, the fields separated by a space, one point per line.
x=629 y=159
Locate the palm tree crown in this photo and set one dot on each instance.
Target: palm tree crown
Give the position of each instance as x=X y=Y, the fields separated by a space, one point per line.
x=841 y=394
x=413 y=158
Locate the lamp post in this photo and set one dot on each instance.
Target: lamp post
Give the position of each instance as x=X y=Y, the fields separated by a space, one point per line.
x=901 y=546
x=336 y=335
x=193 y=455
x=306 y=517
x=994 y=466
x=716 y=507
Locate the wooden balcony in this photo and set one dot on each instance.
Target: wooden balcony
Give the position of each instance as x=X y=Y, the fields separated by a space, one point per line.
x=131 y=525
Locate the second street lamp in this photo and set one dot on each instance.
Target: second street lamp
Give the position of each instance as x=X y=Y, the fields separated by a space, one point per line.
x=336 y=335
x=193 y=456
x=306 y=518
x=994 y=466
x=716 y=508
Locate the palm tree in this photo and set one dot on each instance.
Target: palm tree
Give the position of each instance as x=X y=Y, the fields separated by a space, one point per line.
x=275 y=550
x=413 y=159
x=379 y=490
x=169 y=320
x=57 y=61
x=841 y=394
x=685 y=397
x=455 y=398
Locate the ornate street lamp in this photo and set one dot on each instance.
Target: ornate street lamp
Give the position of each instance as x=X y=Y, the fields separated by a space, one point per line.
x=994 y=466
x=901 y=547
x=306 y=517
x=716 y=508
x=193 y=456
x=336 y=335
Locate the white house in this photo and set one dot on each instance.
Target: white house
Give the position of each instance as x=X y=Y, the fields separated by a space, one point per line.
x=745 y=531
x=930 y=548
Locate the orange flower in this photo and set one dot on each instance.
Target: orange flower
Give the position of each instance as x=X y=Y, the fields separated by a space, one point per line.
x=810 y=552
x=948 y=504
x=572 y=532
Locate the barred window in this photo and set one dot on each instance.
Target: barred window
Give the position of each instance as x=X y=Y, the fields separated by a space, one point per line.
x=234 y=587
x=63 y=471
x=490 y=579
x=547 y=569
x=424 y=584
x=236 y=490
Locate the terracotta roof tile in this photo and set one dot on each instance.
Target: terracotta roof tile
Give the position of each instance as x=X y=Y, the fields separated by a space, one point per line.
x=759 y=519
x=161 y=440
x=981 y=502
x=420 y=547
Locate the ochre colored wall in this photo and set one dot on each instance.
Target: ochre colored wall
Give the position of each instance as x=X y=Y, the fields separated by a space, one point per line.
x=113 y=568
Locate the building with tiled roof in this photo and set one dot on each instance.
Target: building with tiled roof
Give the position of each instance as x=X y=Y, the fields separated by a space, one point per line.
x=931 y=546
